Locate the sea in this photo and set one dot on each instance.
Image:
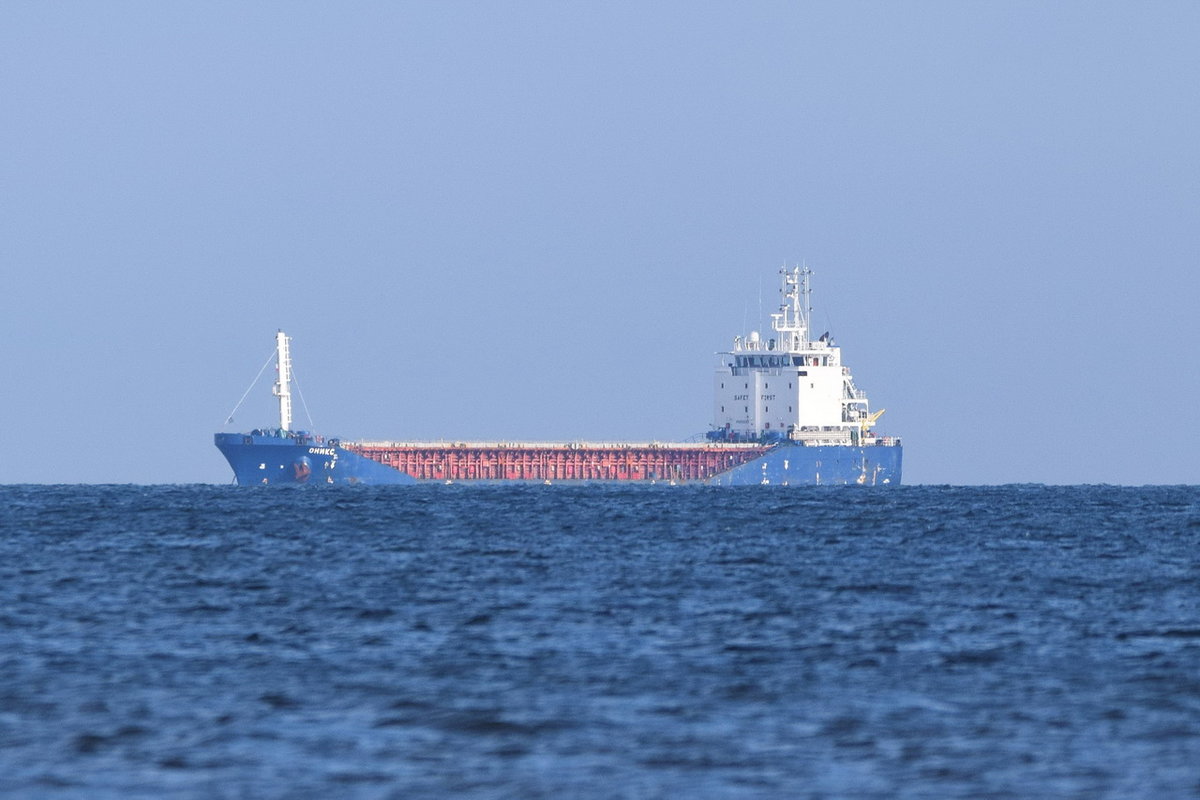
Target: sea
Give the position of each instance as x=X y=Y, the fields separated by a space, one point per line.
x=600 y=642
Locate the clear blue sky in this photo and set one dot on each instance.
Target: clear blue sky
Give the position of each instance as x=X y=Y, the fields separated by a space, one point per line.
x=539 y=220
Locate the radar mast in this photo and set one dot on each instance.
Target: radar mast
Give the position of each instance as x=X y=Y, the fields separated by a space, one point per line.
x=792 y=320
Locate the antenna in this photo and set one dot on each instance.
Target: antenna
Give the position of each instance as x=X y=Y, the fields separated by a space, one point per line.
x=806 y=293
x=759 y=322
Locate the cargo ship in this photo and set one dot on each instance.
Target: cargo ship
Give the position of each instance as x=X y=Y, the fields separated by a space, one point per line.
x=786 y=412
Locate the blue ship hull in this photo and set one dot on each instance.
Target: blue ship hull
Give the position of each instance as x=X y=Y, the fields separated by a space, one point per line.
x=275 y=460
x=259 y=460
x=797 y=465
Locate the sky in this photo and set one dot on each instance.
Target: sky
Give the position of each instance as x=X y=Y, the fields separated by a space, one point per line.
x=540 y=220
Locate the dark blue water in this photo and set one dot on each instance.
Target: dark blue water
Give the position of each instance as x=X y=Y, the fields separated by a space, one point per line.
x=600 y=642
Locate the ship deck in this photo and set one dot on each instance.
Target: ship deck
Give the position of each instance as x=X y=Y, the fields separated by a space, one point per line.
x=559 y=461
x=574 y=445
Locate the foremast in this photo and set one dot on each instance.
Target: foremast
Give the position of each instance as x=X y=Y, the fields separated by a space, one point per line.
x=283 y=383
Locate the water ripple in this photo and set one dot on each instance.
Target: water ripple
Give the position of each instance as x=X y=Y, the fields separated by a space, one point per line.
x=606 y=642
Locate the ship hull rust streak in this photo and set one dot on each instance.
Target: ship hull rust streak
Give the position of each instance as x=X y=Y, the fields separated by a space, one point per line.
x=558 y=463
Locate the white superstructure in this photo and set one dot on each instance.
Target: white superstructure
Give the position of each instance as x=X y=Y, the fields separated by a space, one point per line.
x=790 y=386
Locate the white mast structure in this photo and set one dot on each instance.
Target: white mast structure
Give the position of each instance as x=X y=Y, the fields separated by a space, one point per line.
x=283 y=385
x=791 y=323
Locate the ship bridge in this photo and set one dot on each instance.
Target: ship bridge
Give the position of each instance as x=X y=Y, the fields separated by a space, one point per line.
x=789 y=385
